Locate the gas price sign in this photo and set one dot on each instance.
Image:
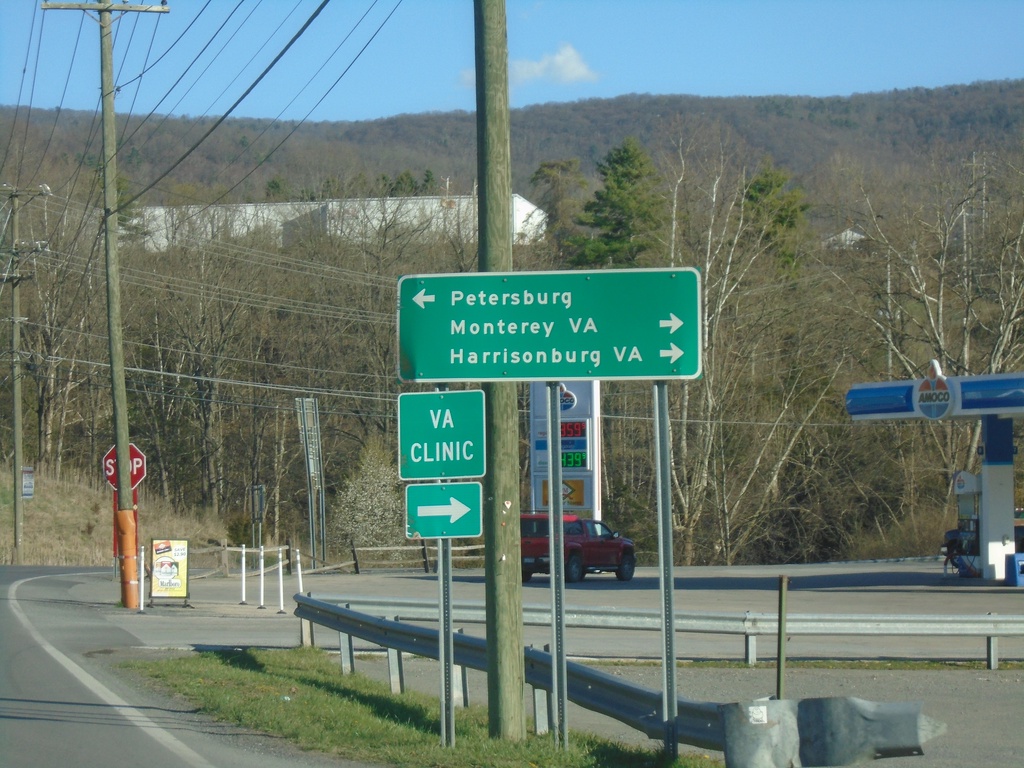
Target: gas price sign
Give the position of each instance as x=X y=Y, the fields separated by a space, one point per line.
x=575 y=445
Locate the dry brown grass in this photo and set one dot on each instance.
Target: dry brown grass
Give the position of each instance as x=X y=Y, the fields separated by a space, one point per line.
x=917 y=536
x=70 y=522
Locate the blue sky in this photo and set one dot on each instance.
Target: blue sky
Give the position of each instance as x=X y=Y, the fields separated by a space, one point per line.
x=418 y=56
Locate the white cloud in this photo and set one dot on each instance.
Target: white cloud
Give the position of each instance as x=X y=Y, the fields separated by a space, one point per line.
x=564 y=66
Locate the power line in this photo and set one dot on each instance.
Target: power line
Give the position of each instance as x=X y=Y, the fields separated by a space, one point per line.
x=225 y=116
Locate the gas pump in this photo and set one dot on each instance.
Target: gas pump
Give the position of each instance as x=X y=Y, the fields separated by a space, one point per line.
x=961 y=546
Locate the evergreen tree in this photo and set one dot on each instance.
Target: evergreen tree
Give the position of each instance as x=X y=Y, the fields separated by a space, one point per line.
x=781 y=209
x=557 y=183
x=625 y=213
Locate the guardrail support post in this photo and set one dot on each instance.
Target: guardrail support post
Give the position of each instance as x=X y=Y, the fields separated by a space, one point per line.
x=541 y=707
x=992 y=656
x=396 y=671
x=348 y=657
x=750 y=650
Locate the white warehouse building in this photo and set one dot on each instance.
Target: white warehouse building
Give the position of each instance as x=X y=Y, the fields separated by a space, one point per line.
x=353 y=219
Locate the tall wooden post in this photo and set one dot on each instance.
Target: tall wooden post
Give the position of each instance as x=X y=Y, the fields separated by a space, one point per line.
x=124 y=519
x=503 y=577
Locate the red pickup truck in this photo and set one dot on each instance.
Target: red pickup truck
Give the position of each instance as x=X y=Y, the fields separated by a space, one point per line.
x=590 y=547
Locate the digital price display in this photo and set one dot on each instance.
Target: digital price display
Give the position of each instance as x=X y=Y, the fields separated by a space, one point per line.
x=575 y=446
x=574 y=429
x=574 y=460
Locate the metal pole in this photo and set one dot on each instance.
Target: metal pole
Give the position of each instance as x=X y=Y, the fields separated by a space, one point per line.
x=559 y=673
x=780 y=669
x=321 y=501
x=446 y=649
x=663 y=466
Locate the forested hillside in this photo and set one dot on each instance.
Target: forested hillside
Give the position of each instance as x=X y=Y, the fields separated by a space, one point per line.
x=840 y=240
x=253 y=160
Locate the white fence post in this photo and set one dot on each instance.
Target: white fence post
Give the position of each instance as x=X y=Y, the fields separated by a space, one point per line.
x=280 y=580
x=142 y=577
x=261 y=606
x=243 y=576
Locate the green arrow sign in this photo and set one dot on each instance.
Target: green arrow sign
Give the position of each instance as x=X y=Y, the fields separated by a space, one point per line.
x=444 y=510
x=441 y=435
x=550 y=326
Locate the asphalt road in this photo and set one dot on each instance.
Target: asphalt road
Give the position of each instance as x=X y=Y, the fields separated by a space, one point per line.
x=62 y=701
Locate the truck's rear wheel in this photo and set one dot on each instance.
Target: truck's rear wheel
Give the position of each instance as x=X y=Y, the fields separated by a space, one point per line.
x=574 y=569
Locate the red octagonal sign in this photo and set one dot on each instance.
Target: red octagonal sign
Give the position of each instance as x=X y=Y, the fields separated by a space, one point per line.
x=138 y=465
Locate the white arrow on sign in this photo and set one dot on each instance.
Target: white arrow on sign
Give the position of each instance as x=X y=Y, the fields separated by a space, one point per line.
x=673 y=322
x=454 y=509
x=422 y=298
x=674 y=353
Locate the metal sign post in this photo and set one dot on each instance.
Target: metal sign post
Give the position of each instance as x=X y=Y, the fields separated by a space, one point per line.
x=441 y=436
x=446 y=645
x=559 y=674
x=259 y=505
x=309 y=432
x=556 y=326
x=663 y=458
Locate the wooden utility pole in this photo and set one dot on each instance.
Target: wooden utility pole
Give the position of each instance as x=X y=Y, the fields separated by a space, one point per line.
x=14 y=277
x=127 y=535
x=503 y=569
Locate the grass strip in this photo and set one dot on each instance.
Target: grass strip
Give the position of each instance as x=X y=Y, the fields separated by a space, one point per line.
x=301 y=695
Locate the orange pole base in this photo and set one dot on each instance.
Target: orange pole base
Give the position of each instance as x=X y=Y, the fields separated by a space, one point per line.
x=127 y=541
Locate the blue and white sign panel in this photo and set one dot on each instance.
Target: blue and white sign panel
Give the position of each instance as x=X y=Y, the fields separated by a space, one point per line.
x=938 y=397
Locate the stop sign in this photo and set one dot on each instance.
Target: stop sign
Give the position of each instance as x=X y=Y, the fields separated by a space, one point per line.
x=138 y=465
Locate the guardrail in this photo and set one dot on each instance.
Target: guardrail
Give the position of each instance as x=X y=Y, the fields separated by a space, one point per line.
x=760 y=734
x=748 y=625
x=631 y=704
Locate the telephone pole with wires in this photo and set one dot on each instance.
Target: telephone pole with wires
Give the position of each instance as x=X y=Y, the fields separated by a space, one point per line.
x=125 y=519
x=12 y=276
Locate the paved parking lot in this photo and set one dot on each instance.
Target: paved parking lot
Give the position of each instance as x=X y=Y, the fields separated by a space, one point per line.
x=981 y=708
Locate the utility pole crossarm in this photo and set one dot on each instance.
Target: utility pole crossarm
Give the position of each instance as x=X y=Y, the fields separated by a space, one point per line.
x=109 y=7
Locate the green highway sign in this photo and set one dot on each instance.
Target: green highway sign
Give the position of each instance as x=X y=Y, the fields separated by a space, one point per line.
x=444 y=510
x=441 y=435
x=550 y=326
